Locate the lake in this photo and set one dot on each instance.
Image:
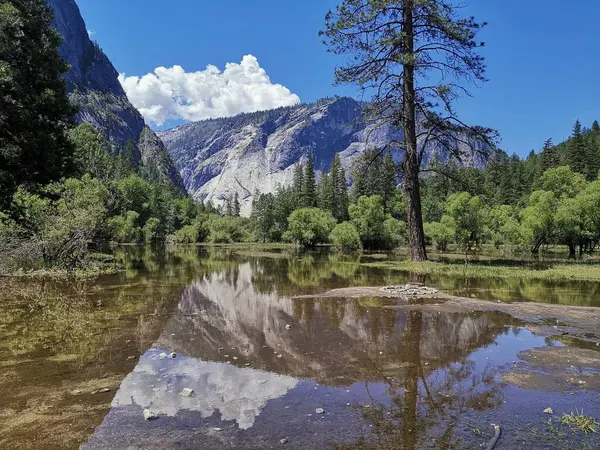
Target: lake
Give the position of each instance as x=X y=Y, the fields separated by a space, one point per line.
x=215 y=344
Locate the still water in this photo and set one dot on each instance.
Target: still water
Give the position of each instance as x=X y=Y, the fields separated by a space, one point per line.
x=268 y=370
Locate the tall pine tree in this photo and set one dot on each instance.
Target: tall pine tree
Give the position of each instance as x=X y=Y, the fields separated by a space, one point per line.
x=576 y=152
x=340 y=190
x=309 y=186
x=35 y=113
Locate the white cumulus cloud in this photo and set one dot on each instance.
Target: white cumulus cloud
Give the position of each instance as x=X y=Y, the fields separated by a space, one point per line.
x=173 y=93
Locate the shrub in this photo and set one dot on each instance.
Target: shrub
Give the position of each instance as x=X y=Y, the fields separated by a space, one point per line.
x=151 y=231
x=345 y=237
x=123 y=229
x=394 y=232
x=309 y=226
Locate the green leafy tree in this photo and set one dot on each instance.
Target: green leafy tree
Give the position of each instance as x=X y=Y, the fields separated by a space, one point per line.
x=441 y=233
x=468 y=214
x=503 y=226
x=345 y=237
x=309 y=226
x=92 y=155
x=153 y=231
x=538 y=220
x=124 y=229
x=35 y=113
x=368 y=215
x=398 y=49
x=561 y=181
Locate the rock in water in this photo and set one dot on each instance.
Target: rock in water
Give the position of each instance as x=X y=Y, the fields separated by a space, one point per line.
x=319 y=410
x=173 y=355
x=149 y=415
x=548 y=411
x=187 y=392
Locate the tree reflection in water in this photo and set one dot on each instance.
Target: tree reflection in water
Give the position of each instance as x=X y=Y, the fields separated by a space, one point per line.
x=425 y=408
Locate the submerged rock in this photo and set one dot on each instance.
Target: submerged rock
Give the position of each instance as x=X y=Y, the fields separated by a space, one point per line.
x=187 y=392
x=320 y=411
x=150 y=415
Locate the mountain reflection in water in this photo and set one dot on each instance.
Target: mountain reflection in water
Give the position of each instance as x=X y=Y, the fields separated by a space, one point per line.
x=264 y=362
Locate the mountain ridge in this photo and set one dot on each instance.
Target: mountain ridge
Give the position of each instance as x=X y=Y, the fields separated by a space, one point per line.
x=94 y=88
x=258 y=151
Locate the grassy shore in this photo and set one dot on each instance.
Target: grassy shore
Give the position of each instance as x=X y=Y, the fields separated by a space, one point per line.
x=550 y=271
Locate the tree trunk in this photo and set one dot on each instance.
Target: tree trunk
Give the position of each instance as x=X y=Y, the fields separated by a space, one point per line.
x=416 y=236
x=571 y=250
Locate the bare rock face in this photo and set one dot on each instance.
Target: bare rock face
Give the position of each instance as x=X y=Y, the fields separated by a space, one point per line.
x=95 y=90
x=258 y=151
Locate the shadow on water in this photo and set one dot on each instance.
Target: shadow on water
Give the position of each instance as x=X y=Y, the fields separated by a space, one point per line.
x=263 y=366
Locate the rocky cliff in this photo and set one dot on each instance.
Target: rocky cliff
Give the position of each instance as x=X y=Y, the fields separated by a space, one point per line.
x=258 y=151
x=94 y=88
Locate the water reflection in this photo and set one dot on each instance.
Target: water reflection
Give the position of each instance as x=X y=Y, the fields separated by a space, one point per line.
x=237 y=394
x=250 y=353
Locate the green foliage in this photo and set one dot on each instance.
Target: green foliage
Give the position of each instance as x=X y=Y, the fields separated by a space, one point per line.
x=226 y=229
x=152 y=231
x=562 y=182
x=441 y=233
x=468 y=215
x=503 y=226
x=345 y=237
x=368 y=215
x=377 y=230
x=124 y=229
x=92 y=154
x=309 y=186
x=309 y=226
x=35 y=113
x=537 y=220
x=190 y=234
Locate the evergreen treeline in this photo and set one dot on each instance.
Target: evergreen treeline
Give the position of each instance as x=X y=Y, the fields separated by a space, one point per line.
x=548 y=198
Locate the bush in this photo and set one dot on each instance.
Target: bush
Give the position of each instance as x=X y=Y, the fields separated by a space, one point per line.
x=123 y=229
x=394 y=232
x=309 y=226
x=151 y=231
x=441 y=233
x=345 y=237
x=227 y=229
x=376 y=229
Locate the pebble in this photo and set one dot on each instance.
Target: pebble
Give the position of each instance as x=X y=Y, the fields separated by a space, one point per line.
x=149 y=415
x=217 y=429
x=235 y=358
x=76 y=392
x=162 y=355
x=172 y=355
x=548 y=411
x=130 y=358
x=283 y=441
x=288 y=326
x=262 y=381
x=319 y=410
x=187 y=392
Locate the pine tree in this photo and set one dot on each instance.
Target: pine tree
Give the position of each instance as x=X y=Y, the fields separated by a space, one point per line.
x=228 y=207
x=298 y=181
x=236 y=205
x=576 y=152
x=326 y=199
x=595 y=127
x=35 y=113
x=128 y=155
x=309 y=187
x=396 y=49
x=340 y=190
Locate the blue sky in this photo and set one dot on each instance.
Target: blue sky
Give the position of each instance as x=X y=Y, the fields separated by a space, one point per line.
x=542 y=56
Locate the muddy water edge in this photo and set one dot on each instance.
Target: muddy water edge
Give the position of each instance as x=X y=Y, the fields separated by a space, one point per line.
x=279 y=352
